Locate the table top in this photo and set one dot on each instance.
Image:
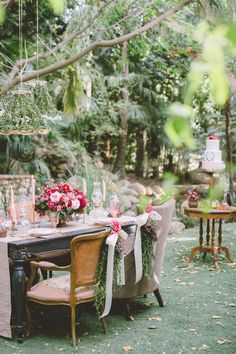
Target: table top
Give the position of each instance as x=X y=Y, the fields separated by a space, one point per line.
x=229 y=213
x=54 y=241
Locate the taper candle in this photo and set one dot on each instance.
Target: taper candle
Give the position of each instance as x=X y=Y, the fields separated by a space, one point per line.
x=33 y=196
x=12 y=205
x=104 y=192
x=84 y=186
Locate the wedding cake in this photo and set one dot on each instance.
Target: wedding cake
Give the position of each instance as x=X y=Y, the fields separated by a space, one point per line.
x=212 y=155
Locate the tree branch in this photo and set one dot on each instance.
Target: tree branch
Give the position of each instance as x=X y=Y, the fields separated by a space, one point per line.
x=68 y=38
x=97 y=44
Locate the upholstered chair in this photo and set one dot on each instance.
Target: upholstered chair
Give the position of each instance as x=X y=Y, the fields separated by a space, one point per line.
x=145 y=286
x=74 y=288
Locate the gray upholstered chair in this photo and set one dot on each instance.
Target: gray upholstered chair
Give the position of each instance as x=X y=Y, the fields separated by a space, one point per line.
x=145 y=286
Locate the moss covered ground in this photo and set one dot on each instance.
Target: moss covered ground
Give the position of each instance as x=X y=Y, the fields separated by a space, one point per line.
x=199 y=316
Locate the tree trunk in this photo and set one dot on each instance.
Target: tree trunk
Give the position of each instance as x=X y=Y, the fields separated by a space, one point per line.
x=229 y=153
x=119 y=166
x=140 y=149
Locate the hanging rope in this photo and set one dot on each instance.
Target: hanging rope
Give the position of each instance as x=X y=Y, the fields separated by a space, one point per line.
x=20 y=7
x=37 y=36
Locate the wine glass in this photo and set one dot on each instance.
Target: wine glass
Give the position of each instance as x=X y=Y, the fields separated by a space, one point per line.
x=114 y=205
x=54 y=217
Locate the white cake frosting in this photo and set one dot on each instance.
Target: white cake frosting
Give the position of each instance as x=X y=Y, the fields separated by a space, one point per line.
x=212 y=159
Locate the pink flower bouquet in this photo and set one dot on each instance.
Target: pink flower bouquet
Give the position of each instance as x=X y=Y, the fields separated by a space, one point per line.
x=60 y=198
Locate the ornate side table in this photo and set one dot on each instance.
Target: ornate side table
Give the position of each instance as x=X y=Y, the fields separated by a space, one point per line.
x=211 y=218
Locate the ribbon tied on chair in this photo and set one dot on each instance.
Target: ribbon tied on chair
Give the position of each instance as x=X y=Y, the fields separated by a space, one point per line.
x=111 y=241
x=140 y=221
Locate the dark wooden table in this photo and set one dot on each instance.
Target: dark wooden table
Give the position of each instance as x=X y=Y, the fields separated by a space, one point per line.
x=22 y=251
x=211 y=217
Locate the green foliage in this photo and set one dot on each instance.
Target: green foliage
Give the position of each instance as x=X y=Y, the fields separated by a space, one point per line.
x=216 y=193
x=19 y=112
x=58 y=6
x=177 y=127
x=73 y=91
x=148 y=257
x=143 y=202
x=2 y=14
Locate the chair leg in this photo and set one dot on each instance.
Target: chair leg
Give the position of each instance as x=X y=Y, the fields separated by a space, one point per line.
x=158 y=297
x=103 y=325
x=44 y=274
x=127 y=309
x=28 y=315
x=73 y=331
x=102 y=321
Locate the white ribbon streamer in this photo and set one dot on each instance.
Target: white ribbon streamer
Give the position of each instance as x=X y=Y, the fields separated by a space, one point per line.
x=111 y=242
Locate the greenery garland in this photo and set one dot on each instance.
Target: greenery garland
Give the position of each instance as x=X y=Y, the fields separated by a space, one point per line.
x=148 y=234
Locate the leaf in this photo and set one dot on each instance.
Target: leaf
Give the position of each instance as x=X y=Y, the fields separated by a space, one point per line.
x=58 y=6
x=157 y=318
x=231 y=33
x=178 y=127
x=220 y=324
x=222 y=341
x=127 y=348
x=2 y=14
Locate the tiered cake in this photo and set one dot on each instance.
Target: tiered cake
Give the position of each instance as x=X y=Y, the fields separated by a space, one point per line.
x=212 y=155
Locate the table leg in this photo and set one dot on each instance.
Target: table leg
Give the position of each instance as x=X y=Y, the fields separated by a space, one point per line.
x=207 y=237
x=220 y=233
x=201 y=233
x=213 y=246
x=197 y=249
x=18 y=280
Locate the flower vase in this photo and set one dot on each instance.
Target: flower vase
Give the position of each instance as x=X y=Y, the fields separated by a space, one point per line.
x=192 y=203
x=62 y=222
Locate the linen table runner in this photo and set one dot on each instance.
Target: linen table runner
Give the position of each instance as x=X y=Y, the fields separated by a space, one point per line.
x=5 y=291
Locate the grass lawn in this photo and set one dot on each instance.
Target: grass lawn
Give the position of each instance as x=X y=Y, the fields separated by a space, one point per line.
x=199 y=317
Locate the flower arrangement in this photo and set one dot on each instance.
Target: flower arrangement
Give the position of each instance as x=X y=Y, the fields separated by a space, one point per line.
x=193 y=194
x=193 y=197
x=60 y=198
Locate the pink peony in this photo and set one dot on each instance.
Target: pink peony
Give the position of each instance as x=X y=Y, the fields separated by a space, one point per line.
x=75 y=204
x=149 y=208
x=55 y=197
x=71 y=196
x=212 y=137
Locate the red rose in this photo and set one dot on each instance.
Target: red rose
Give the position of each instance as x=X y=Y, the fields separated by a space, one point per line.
x=212 y=137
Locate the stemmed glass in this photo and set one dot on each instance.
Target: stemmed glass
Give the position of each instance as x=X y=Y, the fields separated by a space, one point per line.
x=54 y=217
x=114 y=205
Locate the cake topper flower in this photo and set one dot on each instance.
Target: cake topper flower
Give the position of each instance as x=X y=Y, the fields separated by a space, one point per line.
x=212 y=137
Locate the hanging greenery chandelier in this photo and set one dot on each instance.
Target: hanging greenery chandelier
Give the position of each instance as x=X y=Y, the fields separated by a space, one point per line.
x=19 y=114
x=25 y=110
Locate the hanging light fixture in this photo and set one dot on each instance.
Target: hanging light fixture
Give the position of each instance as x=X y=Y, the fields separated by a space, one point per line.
x=24 y=111
x=20 y=115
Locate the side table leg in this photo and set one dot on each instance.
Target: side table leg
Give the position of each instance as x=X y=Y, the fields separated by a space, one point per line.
x=197 y=249
x=207 y=237
x=201 y=233
x=220 y=233
x=18 y=281
x=214 y=248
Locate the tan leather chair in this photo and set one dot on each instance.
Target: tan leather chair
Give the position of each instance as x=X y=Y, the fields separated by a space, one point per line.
x=75 y=287
x=145 y=286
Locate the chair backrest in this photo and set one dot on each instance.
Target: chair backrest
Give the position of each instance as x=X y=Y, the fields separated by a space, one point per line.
x=166 y=211
x=85 y=254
